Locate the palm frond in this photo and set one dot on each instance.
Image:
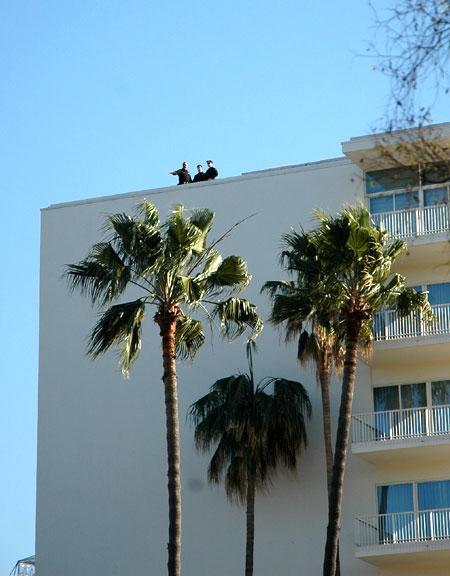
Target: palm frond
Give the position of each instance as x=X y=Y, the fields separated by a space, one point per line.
x=119 y=326
x=100 y=282
x=410 y=300
x=203 y=219
x=231 y=272
x=149 y=213
x=189 y=338
x=236 y=315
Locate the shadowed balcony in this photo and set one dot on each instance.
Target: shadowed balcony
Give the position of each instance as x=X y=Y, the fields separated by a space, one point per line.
x=392 y=538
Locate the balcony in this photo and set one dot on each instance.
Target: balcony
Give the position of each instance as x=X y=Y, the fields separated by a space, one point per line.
x=399 y=340
x=388 y=325
x=404 y=536
x=401 y=434
x=406 y=224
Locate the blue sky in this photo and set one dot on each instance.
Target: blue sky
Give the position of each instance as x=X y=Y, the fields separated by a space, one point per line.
x=105 y=96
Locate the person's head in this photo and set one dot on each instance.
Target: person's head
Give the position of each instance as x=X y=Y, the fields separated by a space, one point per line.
x=210 y=163
x=185 y=165
x=199 y=168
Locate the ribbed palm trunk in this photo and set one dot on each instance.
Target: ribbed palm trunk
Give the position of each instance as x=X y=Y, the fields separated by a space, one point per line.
x=340 y=453
x=324 y=371
x=251 y=490
x=324 y=379
x=167 y=323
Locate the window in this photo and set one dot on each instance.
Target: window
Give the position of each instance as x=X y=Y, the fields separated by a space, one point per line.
x=414 y=511
x=411 y=410
x=392 y=179
x=410 y=200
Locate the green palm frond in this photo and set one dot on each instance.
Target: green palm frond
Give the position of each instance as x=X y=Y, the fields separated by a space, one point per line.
x=236 y=315
x=101 y=283
x=137 y=242
x=191 y=290
x=189 y=338
x=231 y=272
x=203 y=219
x=149 y=213
x=119 y=326
x=410 y=300
x=210 y=264
x=183 y=237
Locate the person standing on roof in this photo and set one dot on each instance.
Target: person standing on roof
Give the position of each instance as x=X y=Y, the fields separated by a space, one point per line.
x=200 y=176
x=212 y=172
x=183 y=175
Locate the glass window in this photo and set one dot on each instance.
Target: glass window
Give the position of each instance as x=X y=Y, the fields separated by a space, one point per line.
x=395 y=498
x=386 y=398
x=435 y=173
x=433 y=495
x=439 y=293
x=413 y=395
x=381 y=204
x=440 y=392
x=392 y=179
x=406 y=200
x=435 y=196
x=396 y=510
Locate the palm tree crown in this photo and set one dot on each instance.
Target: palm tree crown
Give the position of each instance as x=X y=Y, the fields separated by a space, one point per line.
x=252 y=431
x=171 y=267
x=356 y=282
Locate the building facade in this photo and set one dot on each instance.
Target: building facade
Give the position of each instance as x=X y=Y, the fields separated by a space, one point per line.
x=101 y=485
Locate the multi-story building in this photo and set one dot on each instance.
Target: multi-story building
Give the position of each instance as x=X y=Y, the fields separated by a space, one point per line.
x=101 y=492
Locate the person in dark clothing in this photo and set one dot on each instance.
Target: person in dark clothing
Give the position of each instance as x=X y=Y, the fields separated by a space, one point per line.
x=183 y=175
x=211 y=173
x=200 y=176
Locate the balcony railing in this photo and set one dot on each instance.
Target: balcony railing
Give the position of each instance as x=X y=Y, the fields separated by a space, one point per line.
x=403 y=527
x=415 y=222
x=388 y=325
x=401 y=424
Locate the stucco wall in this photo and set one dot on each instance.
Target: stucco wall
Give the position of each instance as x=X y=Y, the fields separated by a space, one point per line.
x=102 y=496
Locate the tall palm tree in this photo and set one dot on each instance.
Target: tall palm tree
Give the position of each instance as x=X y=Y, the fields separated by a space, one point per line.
x=310 y=323
x=253 y=431
x=175 y=271
x=356 y=261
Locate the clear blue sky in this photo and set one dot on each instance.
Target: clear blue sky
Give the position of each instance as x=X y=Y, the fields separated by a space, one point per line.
x=105 y=96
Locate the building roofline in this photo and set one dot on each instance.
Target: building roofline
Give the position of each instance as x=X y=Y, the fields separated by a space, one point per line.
x=264 y=173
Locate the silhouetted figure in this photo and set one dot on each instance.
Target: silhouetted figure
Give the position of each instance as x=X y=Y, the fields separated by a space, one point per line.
x=211 y=173
x=183 y=175
x=200 y=176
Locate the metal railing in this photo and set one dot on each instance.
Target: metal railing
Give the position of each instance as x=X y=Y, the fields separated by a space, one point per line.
x=388 y=325
x=401 y=424
x=402 y=527
x=415 y=222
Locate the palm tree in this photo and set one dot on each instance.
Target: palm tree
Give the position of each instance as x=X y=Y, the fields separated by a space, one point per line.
x=319 y=342
x=253 y=431
x=356 y=262
x=308 y=321
x=175 y=271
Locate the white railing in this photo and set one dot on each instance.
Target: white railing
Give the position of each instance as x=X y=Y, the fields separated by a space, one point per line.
x=402 y=527
x=401 y=424
x=415 y=222
x=388 y=325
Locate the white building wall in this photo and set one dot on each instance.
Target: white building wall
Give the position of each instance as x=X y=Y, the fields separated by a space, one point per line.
x=101 y=488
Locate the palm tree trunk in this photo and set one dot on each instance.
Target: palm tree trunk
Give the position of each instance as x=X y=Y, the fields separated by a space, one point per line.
x=324 y=379
x=324 y=371
x=251 y=490
x=167 y=326
x=340 y=454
